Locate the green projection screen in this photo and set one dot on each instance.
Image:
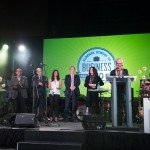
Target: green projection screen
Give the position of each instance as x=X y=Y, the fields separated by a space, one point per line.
x=101 y=52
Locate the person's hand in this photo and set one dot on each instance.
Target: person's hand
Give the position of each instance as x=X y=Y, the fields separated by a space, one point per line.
x=15 y=87
x=72 y=88
x=40 y=83
x=58 y=87
x=21 y=85
x=92 y=85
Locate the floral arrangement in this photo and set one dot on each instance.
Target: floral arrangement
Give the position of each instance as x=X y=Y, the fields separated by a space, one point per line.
x=1 y=79
x=1 y=85
x=143 y=70
x=145 y=81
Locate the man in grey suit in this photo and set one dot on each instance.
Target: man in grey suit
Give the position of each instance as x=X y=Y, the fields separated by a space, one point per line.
x=19 y=85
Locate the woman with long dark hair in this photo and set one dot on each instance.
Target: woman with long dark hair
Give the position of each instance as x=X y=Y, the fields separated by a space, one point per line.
x=91 y=82
x=55 y=84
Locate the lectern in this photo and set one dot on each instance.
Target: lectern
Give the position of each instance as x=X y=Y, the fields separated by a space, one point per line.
x=146 y=104
x=127 y=80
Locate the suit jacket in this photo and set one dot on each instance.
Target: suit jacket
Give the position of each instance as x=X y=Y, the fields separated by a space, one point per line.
x=68 y=84
x=38 y=88
x=15 y=87
x=125 y=73
x=96 y=80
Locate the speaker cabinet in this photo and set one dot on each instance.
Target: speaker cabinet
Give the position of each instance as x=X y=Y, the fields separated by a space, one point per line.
x=93 y=122
x=9 y=120
x=25 y=120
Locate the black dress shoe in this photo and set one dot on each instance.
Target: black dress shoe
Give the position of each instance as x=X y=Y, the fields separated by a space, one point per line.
x=65 y=120
x=119 y=123
x=74 y=120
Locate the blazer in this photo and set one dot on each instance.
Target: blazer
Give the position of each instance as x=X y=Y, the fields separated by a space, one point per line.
x=16 y=88
x=37 y=88
x=96 y=80
x=68 y=84
x=125 y=72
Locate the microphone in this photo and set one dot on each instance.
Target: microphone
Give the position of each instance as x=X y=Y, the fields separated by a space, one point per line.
x=41 y=64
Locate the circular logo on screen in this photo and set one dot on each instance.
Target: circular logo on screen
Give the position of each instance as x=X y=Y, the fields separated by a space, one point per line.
x=99 y=58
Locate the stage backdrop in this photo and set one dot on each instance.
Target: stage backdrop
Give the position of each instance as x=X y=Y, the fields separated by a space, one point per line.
x=101 y=52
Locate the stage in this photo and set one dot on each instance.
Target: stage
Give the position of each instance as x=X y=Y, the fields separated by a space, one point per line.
x=72 y=136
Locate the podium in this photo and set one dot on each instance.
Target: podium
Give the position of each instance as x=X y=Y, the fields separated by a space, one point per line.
x=127 y=80
x=146 y=104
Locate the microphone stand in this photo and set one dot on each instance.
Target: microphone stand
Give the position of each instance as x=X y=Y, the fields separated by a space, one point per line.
x=34 y=85
x=13 y=67
x=46 y=86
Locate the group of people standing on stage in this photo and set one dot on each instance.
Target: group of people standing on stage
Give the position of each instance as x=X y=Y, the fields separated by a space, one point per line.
x=19 y=92
x=40 y=83
x=19 y=86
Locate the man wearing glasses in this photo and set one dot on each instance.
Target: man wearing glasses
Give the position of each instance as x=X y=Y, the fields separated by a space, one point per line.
x=40 y=85
x=121 y=100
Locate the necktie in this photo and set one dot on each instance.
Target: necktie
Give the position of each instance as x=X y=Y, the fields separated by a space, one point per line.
x=118 y=73
x=72 y=80
x=40 y=78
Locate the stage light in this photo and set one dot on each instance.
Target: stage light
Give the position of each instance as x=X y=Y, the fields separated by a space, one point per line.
x=21 y=57
x=21 y=48
x=5 y=47
x=3 y=57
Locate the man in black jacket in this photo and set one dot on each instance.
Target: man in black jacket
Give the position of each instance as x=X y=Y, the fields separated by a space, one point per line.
x=40 y=84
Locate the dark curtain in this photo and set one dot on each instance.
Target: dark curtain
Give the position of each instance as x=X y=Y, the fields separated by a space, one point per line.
x=96 y=140
x=10 y=137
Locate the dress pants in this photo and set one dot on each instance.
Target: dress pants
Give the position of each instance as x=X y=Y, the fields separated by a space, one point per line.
x=54 y=101
x=19 y=104
x=39 y=103
x=121 y=107
x=70 y=98
x=92 y=101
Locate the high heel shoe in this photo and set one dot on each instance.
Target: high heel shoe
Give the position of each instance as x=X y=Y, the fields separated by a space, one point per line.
x=51 y=119
x=56 y=119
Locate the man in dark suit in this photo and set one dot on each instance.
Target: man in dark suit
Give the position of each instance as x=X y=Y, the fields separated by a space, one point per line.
x=72 y=82
x=120 y=72
x=19 y=85
x=40 y=83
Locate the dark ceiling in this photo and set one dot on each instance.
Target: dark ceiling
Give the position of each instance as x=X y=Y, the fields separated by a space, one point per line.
x=63 y=19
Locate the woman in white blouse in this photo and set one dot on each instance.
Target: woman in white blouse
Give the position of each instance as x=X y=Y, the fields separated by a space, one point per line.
x=55 y=84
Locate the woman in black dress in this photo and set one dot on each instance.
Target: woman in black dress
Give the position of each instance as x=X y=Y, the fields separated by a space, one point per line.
x=91 y=82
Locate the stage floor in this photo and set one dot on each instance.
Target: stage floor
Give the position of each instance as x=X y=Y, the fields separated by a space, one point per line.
x=75 y=126
x=71 y=127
